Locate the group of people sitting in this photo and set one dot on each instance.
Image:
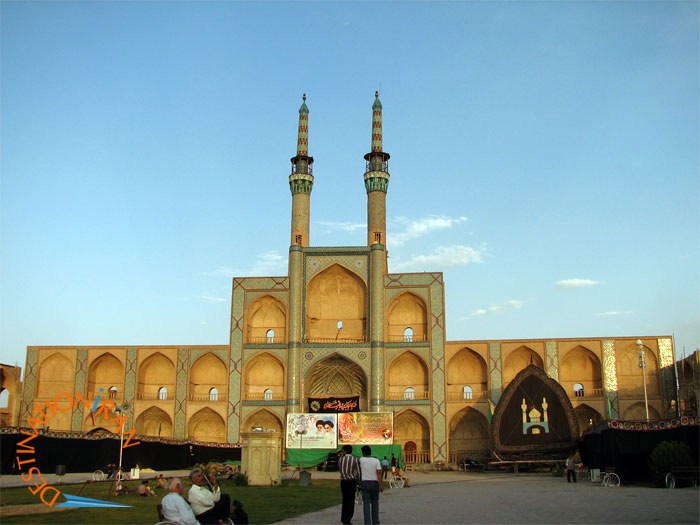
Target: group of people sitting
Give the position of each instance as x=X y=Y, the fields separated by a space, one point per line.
x=205 y=503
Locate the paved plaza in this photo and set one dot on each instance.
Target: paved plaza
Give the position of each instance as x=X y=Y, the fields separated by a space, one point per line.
x=448 y=498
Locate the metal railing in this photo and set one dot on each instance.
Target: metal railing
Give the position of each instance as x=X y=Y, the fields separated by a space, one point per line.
x=467 y=396
x=266 y=340
x=415 y=338
x=416 y=456
x=408 y=396
x=336 y=340
x=154 y=396
x=212 y=398
x=261 y=396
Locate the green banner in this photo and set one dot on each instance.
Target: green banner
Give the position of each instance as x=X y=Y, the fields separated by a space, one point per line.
x=312 y=457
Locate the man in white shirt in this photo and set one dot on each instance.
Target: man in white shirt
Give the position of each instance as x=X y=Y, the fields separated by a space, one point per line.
x=371 y=484
x=175 y=508
x=209 y=505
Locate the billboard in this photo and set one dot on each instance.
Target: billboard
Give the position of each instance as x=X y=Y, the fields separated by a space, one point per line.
x=366 y=428
x=308 y=431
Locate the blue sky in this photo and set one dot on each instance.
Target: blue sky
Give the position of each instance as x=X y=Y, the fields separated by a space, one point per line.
x=544 y=156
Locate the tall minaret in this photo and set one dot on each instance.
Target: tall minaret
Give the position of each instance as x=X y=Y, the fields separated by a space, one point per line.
x=376 y=184
x=376 y=180
x=301 y=181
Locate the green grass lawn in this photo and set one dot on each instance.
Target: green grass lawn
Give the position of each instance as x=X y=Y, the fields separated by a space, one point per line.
x=263 y=504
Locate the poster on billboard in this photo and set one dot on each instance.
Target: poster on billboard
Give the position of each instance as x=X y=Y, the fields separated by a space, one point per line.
x=366 y=428
x=308 y=431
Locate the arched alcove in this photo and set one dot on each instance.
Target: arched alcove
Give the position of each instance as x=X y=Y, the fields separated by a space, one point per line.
x=105 y=372
x=337 y=376
x=518 y=360
x=154 y=422
x=56 y=374
x=336 y=294
x=264 y=372
x=156 y=373
x=636 y=411
x=469 y=435
x=207 y=425
x=208 y=372
x=263 y=419
x=629 y=373
x=466 y=369
x=581 y=366
x=410 y=426
x=406 y=319
x=266 y=321
x=587 y=417
x=408 y=371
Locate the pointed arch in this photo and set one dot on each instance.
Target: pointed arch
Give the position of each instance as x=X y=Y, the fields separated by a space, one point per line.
x=408 y=370
x=207 y=425
x=636 y=411
x=337 y=376
x=155 y=373
x=466 y=369
x=264 y=419
x=469 y=436
x=629 y=373
x=207 y=372
x=263 y=372
x=518 y=360
x=154 y=421
x=587 y=417
x=105 y=372
x=407 y=312
x=412 y=427
x=581 y=367
x=56 y=374
x=336 y=294
x=266 y=315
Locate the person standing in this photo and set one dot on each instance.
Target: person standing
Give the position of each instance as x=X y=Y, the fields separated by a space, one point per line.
x=371 y=484
x=349 y=475
x=385 y=467
x=394 y=464
x=570 y=468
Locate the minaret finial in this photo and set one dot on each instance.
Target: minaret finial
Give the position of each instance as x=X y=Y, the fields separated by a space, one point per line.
x=303 y=136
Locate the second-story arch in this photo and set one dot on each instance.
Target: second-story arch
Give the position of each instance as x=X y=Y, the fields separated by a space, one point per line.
x=466 y=369
x=407 y=319
x=156 y=378
x=56 y=375
x=580 y=367
x=336 y=294
x=518 y=360
x=629 y=373
x=262 y=373
x=106 y=373
x=207 y=373
x=337 y=376
x=408 y=371
x=266 y=321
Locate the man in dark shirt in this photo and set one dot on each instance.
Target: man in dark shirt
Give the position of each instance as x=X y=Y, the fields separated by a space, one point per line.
x=349 y=475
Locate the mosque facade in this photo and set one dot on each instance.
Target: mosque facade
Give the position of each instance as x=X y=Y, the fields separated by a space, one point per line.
x=340 y=328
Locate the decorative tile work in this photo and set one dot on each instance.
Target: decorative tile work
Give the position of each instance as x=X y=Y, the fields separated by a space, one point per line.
x=76 y=424
x=668 y=376
x=357 y=262
x=181 y=372
x=552 y=359
x=130 y=385
x=29 y=388
x=609 y=368
x=496 y=375
x=665 y=352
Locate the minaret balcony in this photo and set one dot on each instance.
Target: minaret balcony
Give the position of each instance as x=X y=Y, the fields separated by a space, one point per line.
x=377 y=165
x=303 y=169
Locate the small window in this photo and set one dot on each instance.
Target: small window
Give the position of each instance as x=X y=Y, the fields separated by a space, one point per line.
x=113 y=392
x=578 y=390
x=408 y=335
x=5 y=398
x=467 y=392
x=270 y=334
x=213 y=394
x=267 y=394
x=297 y=239
x=162 y=393
x=409 y=393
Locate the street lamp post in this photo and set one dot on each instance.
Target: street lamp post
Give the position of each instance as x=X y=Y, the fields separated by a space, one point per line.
x=643 y=366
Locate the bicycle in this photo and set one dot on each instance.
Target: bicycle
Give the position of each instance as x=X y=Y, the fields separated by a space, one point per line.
x=396 y=482
x=98 y=475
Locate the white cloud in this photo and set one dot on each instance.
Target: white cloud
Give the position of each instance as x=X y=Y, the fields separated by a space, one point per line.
x=421 y=227
x=512 y=304
x=442 y=257
x=576 y=283
x=613 y=313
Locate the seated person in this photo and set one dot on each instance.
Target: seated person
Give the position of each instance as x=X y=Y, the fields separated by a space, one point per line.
x=175 y=508
x=144 y=490
x=209 y=505
x=162 y=482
